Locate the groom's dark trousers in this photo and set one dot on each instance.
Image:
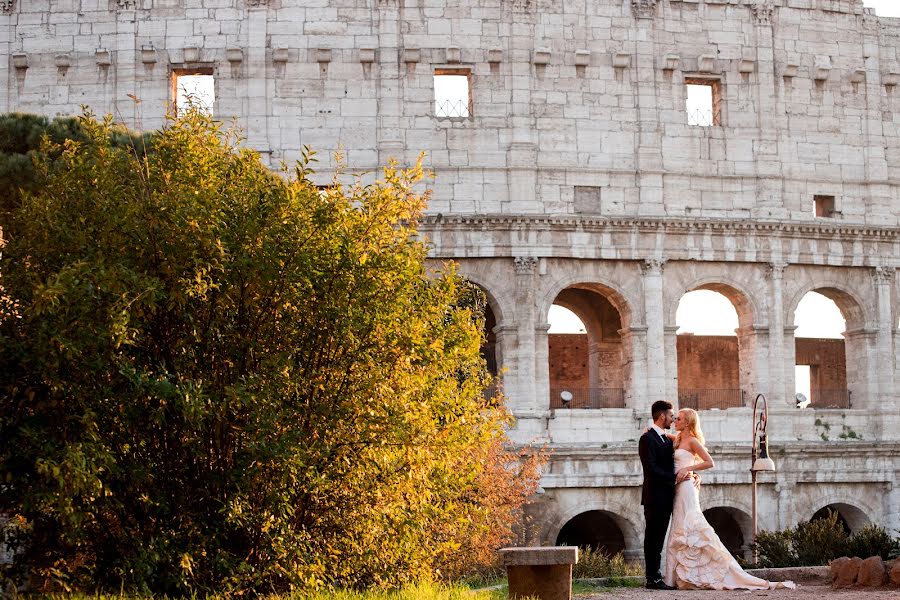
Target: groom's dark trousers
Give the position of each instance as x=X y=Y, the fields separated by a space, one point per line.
x=657 y=496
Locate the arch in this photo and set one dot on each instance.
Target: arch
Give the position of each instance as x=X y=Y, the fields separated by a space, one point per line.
x=715 y=372
x=633 y=543
x=740 y=297
x=733 y=526
x=840 y=374
x=848 y=302
x=615 y=295
x=589 y=368
x=851 y=517
x=598 y=530
x=493 y=300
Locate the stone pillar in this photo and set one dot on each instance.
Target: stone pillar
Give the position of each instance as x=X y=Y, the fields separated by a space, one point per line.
x=521 y=379
x=778 y=393
x=859 y=351
x=648 y=159
x=634 y=371
x=652 y=270
x=753 y=343
x=892 y=496
x=770 y=120
x=884 y=350
x=789 y=365
x=785 y=517
x=670 y=348
x=125 y=63
x=879 y=193
x=6 y=74
x=257 y=82
x=390 y=78
x=521 y=155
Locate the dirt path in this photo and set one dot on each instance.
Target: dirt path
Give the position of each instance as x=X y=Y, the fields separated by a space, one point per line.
x=804 y=592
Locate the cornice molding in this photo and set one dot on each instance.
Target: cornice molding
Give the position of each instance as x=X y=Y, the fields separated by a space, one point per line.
x=563 y=223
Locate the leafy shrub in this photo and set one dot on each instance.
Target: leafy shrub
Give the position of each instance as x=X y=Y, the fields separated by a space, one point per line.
x=221 y=379
x=873 y=540
x=776 y=549
x=592 y=564
x=819 y=542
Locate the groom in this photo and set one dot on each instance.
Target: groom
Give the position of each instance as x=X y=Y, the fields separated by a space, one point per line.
x=658 y=492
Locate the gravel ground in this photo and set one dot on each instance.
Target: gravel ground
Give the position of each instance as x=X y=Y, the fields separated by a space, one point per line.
x=804 y=592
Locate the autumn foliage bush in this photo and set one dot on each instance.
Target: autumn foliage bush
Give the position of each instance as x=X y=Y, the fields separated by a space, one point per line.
x=221 y=379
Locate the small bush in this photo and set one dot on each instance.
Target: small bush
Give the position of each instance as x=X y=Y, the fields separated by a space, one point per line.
x=776 y=549
x=819 y=542
x=594 y=564
x=873 y=540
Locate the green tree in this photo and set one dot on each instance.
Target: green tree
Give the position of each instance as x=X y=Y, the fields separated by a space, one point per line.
x=220 y=378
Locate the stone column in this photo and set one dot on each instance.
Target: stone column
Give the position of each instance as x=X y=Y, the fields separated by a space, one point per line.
x=6 y=74
x=778 y=393
x=390 y=67
x=753 y=343
x=770 y=119
x=257 y=82
x=648 y=158
x=521 y=155
x=892 y=497
x=634 y=371
x=652 y=270
x=785 y=517
x=126 y=56
x=880 y=204
x=521 y=378
x=670 y=348
x=789 y=365
x=884 y=350
x=859 y=349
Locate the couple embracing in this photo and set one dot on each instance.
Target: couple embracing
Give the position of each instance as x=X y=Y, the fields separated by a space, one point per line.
x=695 y=558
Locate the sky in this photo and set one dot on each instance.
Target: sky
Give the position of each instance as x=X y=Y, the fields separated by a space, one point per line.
x=704 y=312
x=884 y=8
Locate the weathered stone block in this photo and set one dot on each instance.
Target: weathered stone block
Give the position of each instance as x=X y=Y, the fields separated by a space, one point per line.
x=543 y=572
x=872 y=572
x=844 y=571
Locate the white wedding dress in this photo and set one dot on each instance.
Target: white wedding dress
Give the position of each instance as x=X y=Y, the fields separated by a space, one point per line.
x=695 y=557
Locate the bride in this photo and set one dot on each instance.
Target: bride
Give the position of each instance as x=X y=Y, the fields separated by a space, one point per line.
x=695 y=558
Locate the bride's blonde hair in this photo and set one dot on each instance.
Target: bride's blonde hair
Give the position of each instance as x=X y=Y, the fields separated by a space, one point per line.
x=691 y=425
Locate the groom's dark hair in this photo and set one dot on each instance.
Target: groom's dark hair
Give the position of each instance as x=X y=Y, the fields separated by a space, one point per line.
x=659 y=407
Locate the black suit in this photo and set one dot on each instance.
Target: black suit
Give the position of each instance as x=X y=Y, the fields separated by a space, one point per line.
x=657 y=496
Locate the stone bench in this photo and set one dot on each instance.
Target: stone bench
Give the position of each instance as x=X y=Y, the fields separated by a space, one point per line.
x=541 y=572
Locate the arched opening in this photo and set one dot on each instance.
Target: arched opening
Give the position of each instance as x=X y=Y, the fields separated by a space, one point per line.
x=714 y=348
x=594 y=529
x=820 y=370
x=586 y=352
x=489 y=346
x=851 y=518
x=727 y=524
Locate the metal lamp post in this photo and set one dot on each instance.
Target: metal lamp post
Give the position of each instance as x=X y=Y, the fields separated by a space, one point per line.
x=759 y=454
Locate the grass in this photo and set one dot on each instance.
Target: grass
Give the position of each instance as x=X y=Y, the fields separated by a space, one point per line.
x=421 y=591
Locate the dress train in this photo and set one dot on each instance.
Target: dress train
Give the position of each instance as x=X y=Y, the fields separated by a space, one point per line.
x=695 y=557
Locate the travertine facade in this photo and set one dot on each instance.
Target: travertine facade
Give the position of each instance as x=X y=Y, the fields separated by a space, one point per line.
x=577 y=180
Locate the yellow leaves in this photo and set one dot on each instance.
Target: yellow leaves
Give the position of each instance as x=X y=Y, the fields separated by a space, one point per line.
x=187 y=564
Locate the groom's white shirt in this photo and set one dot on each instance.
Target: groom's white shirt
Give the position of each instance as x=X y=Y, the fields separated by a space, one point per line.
x=658 y=430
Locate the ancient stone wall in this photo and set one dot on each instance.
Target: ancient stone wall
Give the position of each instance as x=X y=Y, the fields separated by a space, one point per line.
x=577 y=178
x=577 y=107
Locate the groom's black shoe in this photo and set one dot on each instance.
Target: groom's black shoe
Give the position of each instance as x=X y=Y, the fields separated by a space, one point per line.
x=659 y=584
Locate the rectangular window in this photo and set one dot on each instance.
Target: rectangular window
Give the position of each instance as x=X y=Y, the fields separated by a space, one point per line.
x=193 y=88
x=453 y=93
x=704 y=102
x=823 y=206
